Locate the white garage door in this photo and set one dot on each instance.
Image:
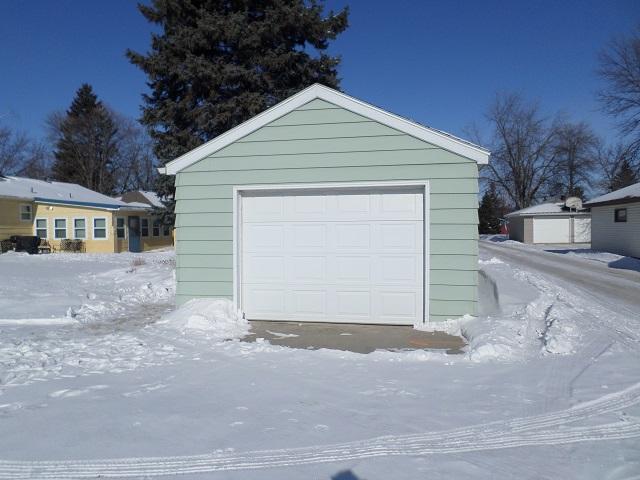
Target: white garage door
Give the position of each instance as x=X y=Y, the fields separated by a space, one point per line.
x=582 y=229
x=551 y=230
x=333 y=257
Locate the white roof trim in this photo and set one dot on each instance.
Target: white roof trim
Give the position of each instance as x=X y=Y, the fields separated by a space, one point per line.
x=436 y=137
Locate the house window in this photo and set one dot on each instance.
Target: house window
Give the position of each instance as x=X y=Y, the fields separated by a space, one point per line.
x=120 y=228
x=25 y=213
x=79 y=228
x=166 y=230
x=60 y=228
x=620 y=215
x=144 y=227
x=99 y=228
x=41 y=227
x=156 y=227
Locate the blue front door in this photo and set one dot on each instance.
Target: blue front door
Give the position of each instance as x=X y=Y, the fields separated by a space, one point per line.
x=134 y=234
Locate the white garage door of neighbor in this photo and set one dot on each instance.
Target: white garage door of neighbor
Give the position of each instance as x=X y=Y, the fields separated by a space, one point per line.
x=333 y=257
x=551 y=230
x=582 y=229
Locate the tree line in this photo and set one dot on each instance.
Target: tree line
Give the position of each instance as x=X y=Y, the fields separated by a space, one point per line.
x=88 y=144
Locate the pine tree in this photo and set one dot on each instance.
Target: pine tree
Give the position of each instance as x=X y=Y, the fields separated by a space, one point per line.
x=216 y=64
x=624 y=177
x=86 y=145
x=490 y=211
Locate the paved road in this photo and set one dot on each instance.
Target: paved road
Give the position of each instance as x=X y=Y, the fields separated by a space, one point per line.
x=617 y=288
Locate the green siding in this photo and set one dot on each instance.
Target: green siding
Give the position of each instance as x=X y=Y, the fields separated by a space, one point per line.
x=320 y=142
x=445 y=185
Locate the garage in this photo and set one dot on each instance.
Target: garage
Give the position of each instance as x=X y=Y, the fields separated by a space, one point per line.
x=324 y=208
x=551 y=223
x=351 y=255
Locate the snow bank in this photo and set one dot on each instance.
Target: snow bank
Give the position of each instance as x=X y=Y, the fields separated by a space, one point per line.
x=215 y=316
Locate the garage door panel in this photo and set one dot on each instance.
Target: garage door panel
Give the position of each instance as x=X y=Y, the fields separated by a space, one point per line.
x=308 y=269
x=352 y=235
x=312 y=236
x=333 y=257
x=398 y=269
x=353 y=269
x=261 y=237
x=264 y=268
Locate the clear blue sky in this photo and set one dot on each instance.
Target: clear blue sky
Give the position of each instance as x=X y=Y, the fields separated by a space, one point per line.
x=438 y=62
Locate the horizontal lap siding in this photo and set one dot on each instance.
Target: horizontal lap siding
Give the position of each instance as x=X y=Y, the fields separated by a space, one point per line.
x=323 y=143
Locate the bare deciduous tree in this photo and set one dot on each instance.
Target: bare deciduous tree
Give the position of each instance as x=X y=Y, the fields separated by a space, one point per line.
x=135 y=162
x=523 y=159
x=21 y=156
x=612 y=161
x=620 y=68
x=575 y=150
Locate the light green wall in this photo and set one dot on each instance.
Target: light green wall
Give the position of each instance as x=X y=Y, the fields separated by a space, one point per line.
x=320 y=142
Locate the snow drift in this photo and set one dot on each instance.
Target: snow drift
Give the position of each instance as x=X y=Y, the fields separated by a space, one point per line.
x=215 y=316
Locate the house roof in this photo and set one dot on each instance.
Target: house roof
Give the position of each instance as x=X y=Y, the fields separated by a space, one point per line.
x=55 y=192
x=153 y=198
x=317 y=91
x=150 y=198
x=624 y=195
x=554 y=208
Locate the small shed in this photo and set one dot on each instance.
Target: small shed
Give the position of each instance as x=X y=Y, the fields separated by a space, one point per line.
x=324 y=208
x=616 y=221
x=555 y=222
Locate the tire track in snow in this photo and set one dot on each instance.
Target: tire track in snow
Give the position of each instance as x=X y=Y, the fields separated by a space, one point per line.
x=546 y=429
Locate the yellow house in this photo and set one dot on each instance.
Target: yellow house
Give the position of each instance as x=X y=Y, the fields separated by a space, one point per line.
x=67 y=216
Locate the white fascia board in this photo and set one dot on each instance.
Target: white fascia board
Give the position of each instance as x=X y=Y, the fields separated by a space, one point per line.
x=316 y=91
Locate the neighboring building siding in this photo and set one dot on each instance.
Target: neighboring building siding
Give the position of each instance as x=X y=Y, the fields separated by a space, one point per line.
x=150 y=242
x=320 y=142
x=623 y=237
x=10 y=223
x=51 y=212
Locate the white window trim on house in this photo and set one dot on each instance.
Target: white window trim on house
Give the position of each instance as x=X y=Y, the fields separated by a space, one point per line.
x=55 y=229
x=30 y=207
x=93 y=228
x=153 y=228
x=144 y=220
x=46 y=226
x=124 y=221
x=73 y=226
x=325 y=187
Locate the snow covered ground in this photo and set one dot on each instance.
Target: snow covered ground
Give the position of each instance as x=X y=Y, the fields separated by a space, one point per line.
x=549 y=386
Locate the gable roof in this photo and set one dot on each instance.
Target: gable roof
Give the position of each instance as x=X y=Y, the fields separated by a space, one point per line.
x=557 y=208
x=141 y=197
x=624 y=195
x=317 y=91
x=60 y=193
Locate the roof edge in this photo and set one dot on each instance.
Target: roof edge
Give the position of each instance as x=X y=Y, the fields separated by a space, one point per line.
x=437 y=137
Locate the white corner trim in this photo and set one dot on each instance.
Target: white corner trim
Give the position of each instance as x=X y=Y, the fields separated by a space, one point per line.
x=288 y=187
x=317 y=91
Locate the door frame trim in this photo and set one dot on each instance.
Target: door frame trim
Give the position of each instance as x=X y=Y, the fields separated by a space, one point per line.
x=239 y=190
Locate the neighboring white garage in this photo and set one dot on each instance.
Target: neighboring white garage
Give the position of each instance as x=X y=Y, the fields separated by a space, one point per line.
x=551 y=223
x=340 y=255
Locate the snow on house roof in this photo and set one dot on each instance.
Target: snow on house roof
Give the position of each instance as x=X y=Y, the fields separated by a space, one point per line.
x=626 y=194
x=153 y=198
x=55 y=192
x=45 y=191
x=544 y=209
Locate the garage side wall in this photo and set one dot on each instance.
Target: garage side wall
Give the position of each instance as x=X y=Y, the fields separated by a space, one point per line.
x=622 y=238
x=318 y=143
